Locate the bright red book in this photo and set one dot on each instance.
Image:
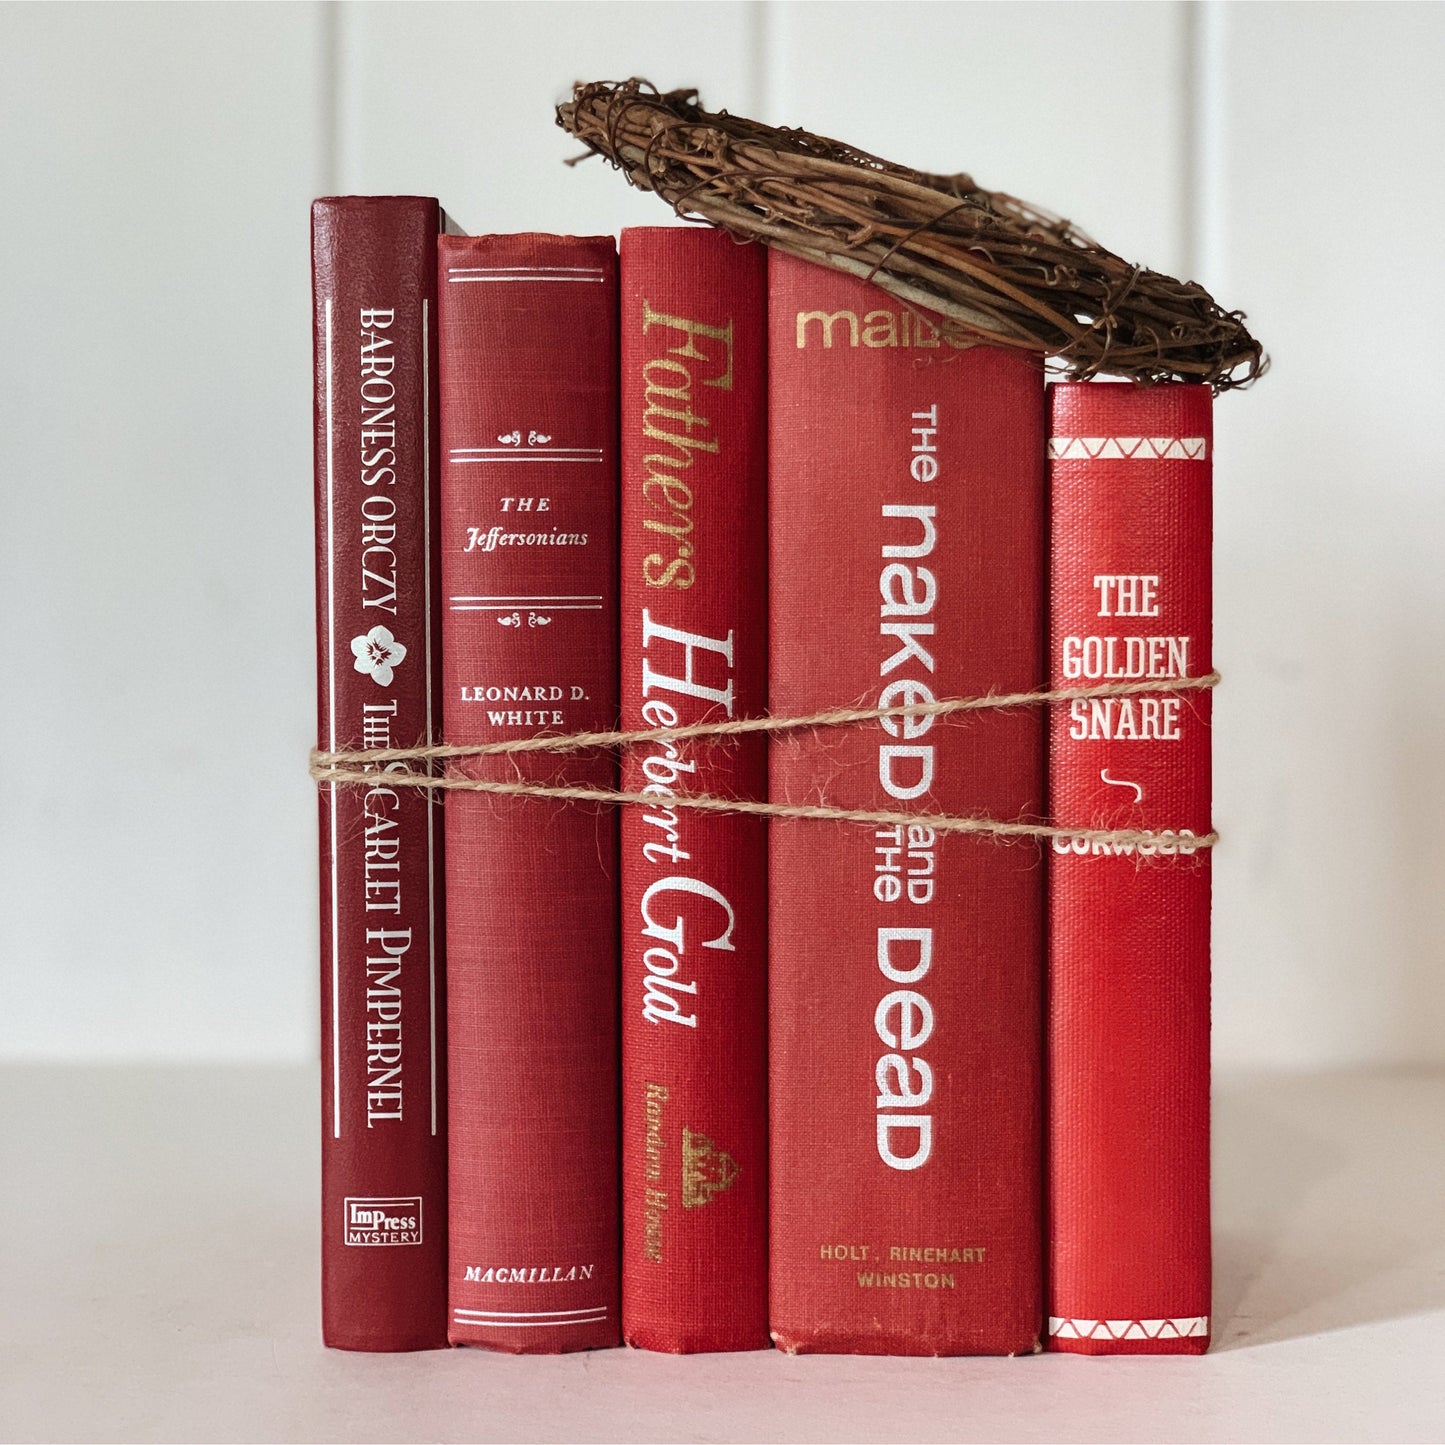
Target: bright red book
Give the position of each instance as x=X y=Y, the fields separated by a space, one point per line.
x=908 y=539
x=529 y=645
x=1128 y=1030
x=383 y=1098
x=694 y=885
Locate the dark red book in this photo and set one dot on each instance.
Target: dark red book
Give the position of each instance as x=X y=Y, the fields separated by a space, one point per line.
x=383 y=1096
x=1129 y=1260
x=694 y=885
x=529 y=645
x=908 y=539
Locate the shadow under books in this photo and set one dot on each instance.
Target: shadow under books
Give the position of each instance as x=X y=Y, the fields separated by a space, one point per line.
x=1326 y=1200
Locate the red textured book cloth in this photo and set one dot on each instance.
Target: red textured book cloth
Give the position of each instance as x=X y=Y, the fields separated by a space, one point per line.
x=1128 y=1030
x=694 y=885
x=529 y=645
x=908 y=539
x=383 y=1143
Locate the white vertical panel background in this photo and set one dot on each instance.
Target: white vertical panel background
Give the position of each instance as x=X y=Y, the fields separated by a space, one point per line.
x=1325 y=217
x=457 y=101
x=156 y=833
x=1082 y=109
x=155 y=850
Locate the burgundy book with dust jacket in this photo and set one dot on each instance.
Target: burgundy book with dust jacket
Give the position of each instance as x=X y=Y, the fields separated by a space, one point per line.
x=694 y=885
x=529 y=645
x=1129 y=1252
x=908 y=536
x=383 y=1154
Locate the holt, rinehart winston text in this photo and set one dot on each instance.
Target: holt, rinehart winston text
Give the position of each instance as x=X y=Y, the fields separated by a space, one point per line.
x=907 y=526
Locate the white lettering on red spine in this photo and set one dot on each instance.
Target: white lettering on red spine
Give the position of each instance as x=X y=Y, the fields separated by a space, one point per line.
x=660 y=1003
x=665 y=992
x=1127 y=658
x=386 y=950
x=905 y=857
x=383 y=1222
x=526 y=1274
x=903 y=1021
x=1165 y=843
x=653 y=680
x=1124 y=659
x=378 y=458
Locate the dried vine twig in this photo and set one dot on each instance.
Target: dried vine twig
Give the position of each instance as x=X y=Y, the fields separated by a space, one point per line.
x=994 y=268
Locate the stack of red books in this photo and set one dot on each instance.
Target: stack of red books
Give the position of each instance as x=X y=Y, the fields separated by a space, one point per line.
x=698 y=1080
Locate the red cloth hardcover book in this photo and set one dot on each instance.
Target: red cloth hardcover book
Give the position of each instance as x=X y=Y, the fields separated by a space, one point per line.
x=1128 y=1018
x=694 y=885
x=529 y=645
x=383 y=1096
x=908 y=540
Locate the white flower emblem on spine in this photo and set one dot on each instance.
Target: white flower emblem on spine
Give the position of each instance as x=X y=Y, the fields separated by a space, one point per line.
x=378 y=653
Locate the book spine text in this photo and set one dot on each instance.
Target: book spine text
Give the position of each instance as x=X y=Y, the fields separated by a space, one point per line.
x=907 y=527
x=529 y=582
x=694 y=885
x=1128 y=1027
x=383 y=1155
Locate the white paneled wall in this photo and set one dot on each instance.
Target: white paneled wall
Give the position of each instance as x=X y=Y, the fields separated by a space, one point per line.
x=458 y=101
x=155 y=169
x=156 y=828
x=1079 y=108
x=1326 y=217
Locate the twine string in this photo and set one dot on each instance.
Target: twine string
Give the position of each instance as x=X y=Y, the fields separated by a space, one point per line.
x=358 y=766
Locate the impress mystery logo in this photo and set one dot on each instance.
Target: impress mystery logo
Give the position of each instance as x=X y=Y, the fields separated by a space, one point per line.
x=371 y=1222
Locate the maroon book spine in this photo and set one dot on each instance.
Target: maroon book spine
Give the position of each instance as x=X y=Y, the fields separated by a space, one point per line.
x=529 y=645
x=1129 y=1258
x=908 y=539
x=383 y=1096
x=694 y=885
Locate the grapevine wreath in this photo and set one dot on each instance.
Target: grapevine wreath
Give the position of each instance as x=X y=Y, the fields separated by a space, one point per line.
x=995 y=268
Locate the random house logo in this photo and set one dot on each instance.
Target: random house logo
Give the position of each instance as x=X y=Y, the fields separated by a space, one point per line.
x=378 y=653
x=371 y=1222
x=706 y=1169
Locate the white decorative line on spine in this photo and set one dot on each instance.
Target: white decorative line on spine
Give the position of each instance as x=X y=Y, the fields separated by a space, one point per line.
x=461 y=455
x=1186 y=1327
x=525 y=273
x=431 y=812
x=530 y=1319
x=331 y=716
x=1145 y=449
x=531 y=1314
x=1122 y=783
x=507 y=604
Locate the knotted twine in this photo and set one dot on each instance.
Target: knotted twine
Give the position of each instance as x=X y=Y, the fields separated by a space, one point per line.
x=358 y=766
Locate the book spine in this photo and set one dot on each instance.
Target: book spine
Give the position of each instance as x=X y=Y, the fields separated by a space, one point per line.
x=908 y=539
x=1128 y=1028
x=694 y=885
x=529 y=645
x=383 y=1145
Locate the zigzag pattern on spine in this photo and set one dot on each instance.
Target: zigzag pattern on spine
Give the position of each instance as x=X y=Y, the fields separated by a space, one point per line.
x=1145 y=449
x=1183 y=1328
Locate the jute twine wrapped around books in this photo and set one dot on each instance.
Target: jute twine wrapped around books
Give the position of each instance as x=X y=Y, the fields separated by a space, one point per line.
x=996 y=270
x=360 y=766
